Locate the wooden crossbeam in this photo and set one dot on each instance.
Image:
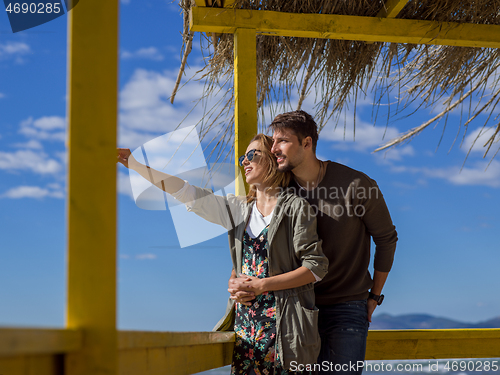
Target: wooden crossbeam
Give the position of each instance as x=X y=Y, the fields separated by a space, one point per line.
x=392 y=8
x=29 y=341
x=433 y=344
x=370 y=29
x=183 y=353
x=147 y=339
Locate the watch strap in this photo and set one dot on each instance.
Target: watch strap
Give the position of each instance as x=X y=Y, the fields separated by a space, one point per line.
x=376 y=298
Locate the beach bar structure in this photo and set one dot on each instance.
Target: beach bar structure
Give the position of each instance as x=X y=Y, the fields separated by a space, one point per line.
x=90 y=344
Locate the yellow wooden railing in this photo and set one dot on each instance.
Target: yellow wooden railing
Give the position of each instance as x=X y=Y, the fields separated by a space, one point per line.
x=90 y=344
x=47 y=351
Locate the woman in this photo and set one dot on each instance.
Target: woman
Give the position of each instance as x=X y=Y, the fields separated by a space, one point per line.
x=274 y=245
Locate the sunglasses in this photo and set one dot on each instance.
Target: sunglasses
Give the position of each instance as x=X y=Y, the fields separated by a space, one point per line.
x=249 y=155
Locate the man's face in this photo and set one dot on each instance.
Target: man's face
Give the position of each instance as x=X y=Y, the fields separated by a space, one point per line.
x=287 y=149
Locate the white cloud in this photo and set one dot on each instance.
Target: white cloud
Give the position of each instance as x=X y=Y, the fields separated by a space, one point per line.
x=14 y=50
x=476 y=140
x=31 y=158
x=50 y=123
x=145 y=256
x=132 y=139
x=479 y=174
x=396 y=153
x=146 y=90
x=123 y=183
x=45 y=128
x=32 y=192
x=362 y=138
x=146 y=111
x=150 y=53
x=63 y=156
x=31 y=144
x=28 y=160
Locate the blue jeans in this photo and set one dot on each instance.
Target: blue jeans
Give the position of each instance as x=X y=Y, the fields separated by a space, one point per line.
x=343 y=328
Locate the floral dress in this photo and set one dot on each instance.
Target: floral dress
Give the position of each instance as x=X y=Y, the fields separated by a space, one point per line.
x=255 y=325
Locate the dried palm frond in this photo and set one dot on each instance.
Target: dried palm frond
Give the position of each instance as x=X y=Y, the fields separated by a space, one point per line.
x=341 y=71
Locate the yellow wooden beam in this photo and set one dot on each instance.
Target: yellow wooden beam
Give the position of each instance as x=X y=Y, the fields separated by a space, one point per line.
x=92 y=114
x=228 y=3
x=433 y=344
x=245 y=97
x=177 y=360
x=175 y=353
x=146 y=339
x=200 y=3
x=151 y=353
x=32 y=365
x=370 y=29
x=29 y=341
x=392 y=8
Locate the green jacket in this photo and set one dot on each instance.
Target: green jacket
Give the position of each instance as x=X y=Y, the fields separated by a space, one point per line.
x=293 y=242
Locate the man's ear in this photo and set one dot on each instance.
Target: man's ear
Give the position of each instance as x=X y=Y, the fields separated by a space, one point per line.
x=307 y=142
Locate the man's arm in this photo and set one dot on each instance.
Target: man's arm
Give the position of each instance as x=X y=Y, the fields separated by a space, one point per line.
x=379 y=279
x=379 y=224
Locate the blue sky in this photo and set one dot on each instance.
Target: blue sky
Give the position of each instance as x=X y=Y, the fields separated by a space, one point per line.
x=447 y=258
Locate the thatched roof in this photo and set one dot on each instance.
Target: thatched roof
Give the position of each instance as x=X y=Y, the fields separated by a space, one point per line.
x=341 y=71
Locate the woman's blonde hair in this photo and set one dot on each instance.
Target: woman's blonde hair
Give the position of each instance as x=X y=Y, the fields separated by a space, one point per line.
x=273 y=177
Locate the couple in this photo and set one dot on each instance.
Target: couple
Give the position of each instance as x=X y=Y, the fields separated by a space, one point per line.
x=277 y=254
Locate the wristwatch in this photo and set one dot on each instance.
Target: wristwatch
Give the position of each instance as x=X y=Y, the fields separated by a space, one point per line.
x=378 y=299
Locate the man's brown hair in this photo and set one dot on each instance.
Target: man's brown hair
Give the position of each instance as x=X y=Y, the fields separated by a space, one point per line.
x=300 y=122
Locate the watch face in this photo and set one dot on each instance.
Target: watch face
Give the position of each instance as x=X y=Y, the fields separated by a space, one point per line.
x=376 y=298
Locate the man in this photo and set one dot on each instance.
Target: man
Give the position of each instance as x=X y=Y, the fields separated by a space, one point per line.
x=350 y=211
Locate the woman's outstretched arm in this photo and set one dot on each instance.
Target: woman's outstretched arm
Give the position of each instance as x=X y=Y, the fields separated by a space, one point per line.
x=164 y=181
x=202 y=202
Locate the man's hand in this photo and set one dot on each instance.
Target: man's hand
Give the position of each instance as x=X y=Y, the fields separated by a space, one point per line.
x=239 y=291
x=379 y=279
x=371 y=305
x=123 y=155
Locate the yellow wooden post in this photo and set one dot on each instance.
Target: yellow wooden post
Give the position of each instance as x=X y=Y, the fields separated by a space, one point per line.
x=245 y=96
x=92 y=115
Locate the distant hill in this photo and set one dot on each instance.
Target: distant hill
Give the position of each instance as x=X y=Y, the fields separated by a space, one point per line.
x=424 y=321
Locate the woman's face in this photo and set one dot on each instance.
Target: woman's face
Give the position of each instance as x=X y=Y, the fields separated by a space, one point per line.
x=255 y=170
